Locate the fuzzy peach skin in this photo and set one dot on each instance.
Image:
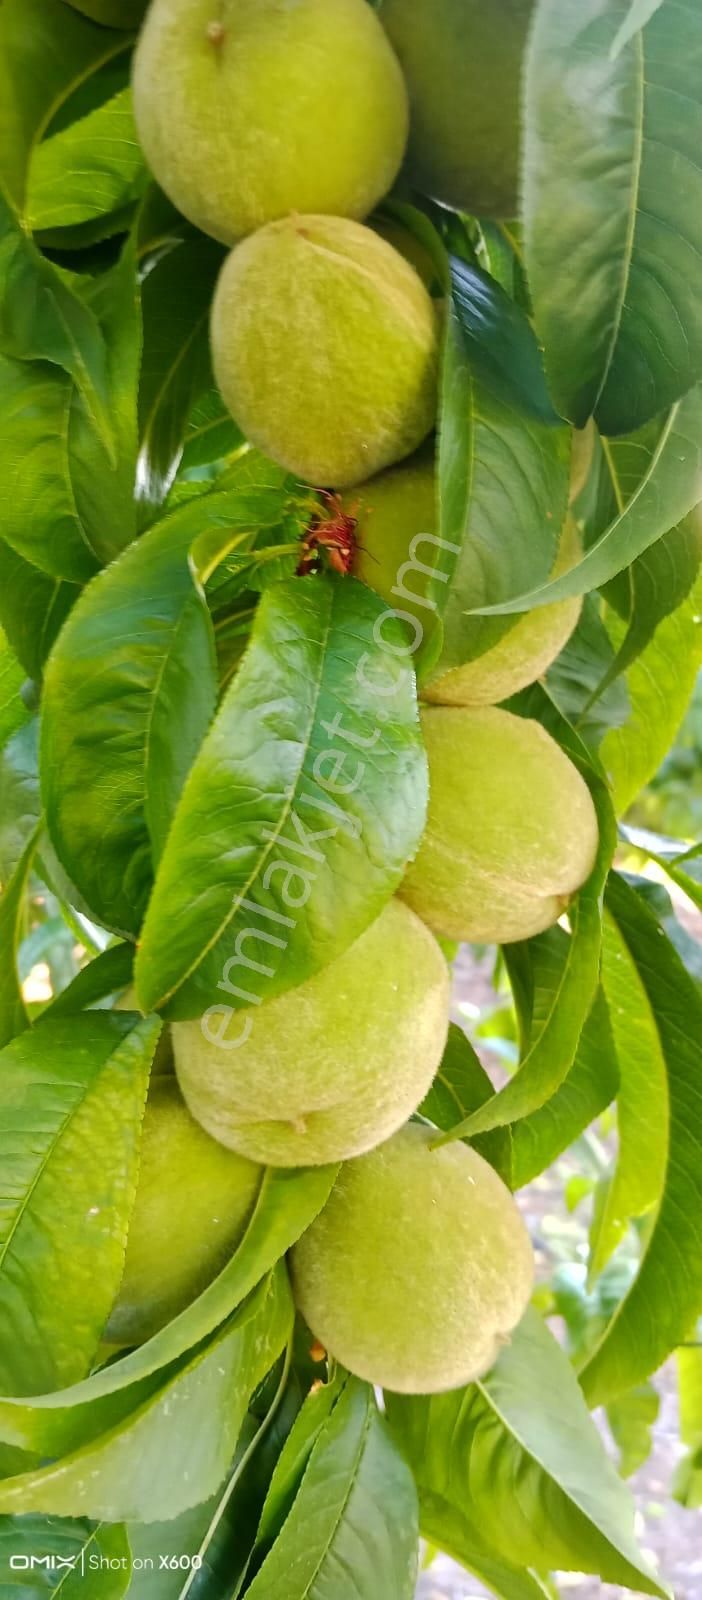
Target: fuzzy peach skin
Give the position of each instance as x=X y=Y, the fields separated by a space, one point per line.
x=325 y=348
x=418 y=1268
x=330 y=1068
x=250 y=109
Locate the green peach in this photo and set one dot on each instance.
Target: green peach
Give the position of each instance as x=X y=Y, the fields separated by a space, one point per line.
x=418 y=1268
x=325 y=346
x=462 y=60
x=250 y=109
x=399 y=507
x=333 y=1067
x=512 y=830
x=193 y=1201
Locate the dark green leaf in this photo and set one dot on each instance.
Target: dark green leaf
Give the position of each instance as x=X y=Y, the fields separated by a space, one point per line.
x=108 y=973
x=175 y=1449
x=517 y=1457
x=501 y=435
x=33 y=608
x=47 y=50
x=20 y=806
x=462 y=1085
x=71 y=1542
x=70 y=507
x=352 y=1529
x=177 y=369
x=72 y=1096
x=666 y=1295
x=309 y=792
x=613 y=201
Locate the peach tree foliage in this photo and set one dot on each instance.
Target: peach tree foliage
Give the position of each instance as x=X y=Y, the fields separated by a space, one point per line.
x=124 y=614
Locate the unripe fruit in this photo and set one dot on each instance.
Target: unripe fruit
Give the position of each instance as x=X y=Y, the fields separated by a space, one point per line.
x=512 y=829
x=250 y=109
x=462 y=60
x=325 y=345
x=335 y=1066
x=193 y=1201
x=418 y=1268
x=397 y=508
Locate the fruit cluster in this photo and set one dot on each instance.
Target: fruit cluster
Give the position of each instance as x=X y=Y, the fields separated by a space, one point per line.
x=326 y=338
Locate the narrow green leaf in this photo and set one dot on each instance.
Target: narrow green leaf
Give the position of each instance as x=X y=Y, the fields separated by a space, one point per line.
x=75 y=1546
x=70 y=507
x=613 y=244
x=43 y=318
x=591 y=1086
x=631 y=1419
x=660 y=684
x=20 y=806
x=13 y=712
x=666 y=1295
x=353 y=1525
x=499 y=428
x=666 y=494
x=51 y=1424
x=72 y=1097
x=210 y=432
x=109 y=972
x=89 y=169
x=309 y=790
x=462 y=1085
x=13 y=1017
x=33 y=608
x=518 y=1456
x=175 y=1449
x=177 y=368
x=643 y=1111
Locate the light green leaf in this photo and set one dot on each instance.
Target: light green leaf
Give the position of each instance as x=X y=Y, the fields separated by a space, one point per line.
x=519 y=1457
x=352 y=1529
x=72 y=1096
x=643 y=1111
x=589 y=1088
x=13 y=1017
x=20 y=806
x=89 y=169
x=613 y=242
x=660 y=684
x=174 y=1450
x=666 y=494
x=288 y=1202
x=631 y=1419
x=13 y=712
x=309 y=791
x=666 y=1296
